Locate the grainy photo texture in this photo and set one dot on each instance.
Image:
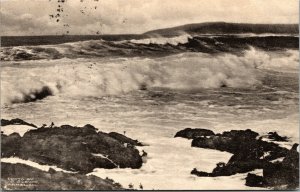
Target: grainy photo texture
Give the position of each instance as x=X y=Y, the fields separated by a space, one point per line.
x=149 y=95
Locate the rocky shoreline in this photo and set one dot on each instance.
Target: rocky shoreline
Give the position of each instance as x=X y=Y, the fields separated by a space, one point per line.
x=74 y=149
x=79 y=150
x=250 y=152
x=24 y=177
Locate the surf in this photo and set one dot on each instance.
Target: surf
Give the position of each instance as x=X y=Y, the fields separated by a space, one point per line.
x=101 y=77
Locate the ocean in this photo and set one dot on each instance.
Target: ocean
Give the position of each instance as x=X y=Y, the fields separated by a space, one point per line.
x=150 y=88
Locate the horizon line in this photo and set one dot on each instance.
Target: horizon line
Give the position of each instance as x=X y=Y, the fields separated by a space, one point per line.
x=144 y=33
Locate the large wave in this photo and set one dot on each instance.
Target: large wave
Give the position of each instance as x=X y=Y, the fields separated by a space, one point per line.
x=97 y=78
x=156 y=46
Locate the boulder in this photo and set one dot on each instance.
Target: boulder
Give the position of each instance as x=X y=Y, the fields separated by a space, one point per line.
x=10 y=145
x=215 y=142
x=253 y=180
x=124 y=139
x=250 y=152
x=275 y=137
x=71 y=148
x=200 y=173
x=194 y=133
x=241 y=134
x=24 y=177
x=285 y=174
x=16 y=121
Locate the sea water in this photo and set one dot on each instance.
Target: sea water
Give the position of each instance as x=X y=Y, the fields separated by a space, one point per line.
x=151 y=98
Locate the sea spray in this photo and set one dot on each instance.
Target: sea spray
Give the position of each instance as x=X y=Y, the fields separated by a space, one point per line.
x=187 y=71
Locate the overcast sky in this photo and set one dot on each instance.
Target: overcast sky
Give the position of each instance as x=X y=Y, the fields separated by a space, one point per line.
x=32 y=17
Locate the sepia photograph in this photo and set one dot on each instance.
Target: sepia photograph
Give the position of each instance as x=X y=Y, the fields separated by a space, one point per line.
x=149 y=95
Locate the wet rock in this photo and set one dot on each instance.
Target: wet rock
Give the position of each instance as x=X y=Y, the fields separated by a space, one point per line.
x=280 y=175
x=292 y=158
x=231 y=141
x=241 y=134
x=30 y=178
x=253 y=180
x=10 y=145
x=124 y=139
x=243 y=144
x=16 y=121
x=194 y=133
x=215 y=142
x=200 y=173
x=73 y=148
x=250 y=152
x=275 y=137
x=285 y=174
x=231 y=168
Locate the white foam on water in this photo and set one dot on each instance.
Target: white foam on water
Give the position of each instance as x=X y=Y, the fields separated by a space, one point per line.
x=181 y=39
x=169 y=165
x=101 y=93
x=276 y=62
x=15 y=160
x=188 y=71
x=104 y=157
x=20 y=129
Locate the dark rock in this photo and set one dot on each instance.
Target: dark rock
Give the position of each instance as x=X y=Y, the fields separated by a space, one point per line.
x=194 y=133
x=51 y=180
x=228 y=141
x=259 y=151
x=292 y=157
x=242 y=143
x=285 y=174
x=16 y=121
x=200 y=173
x=90 y=127
x=275 y=137
x=241 y=134
x=124 y=139
x=10 y=145
x=215 y=142
x=73 y=148
x=253 y=180
x=250 y=153
x=238 y=167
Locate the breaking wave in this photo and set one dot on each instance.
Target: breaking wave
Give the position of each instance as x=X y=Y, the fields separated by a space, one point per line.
x=156 y=46
x=186 y=71
x=182 y=39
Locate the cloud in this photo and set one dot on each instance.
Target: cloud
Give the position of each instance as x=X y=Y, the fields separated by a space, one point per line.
x=25 y=24
x=31 y=17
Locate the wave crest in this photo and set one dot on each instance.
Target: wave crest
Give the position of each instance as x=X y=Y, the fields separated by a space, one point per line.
x=156 y=46
x=187 y=71
x=182 y=39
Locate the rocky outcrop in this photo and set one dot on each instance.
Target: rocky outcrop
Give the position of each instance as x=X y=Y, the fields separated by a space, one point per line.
x=250 y=152
x=227 y=141
x=279 y=175
x=275 y=137
x=253 y=180
x=194 y=133
x=80 y=149
x=123 y=139
x=10 y=145
x=24 y=177
x=16 y=121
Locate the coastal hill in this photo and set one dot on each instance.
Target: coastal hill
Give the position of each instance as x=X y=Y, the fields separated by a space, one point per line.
x=192 y=29
x=226 y=28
